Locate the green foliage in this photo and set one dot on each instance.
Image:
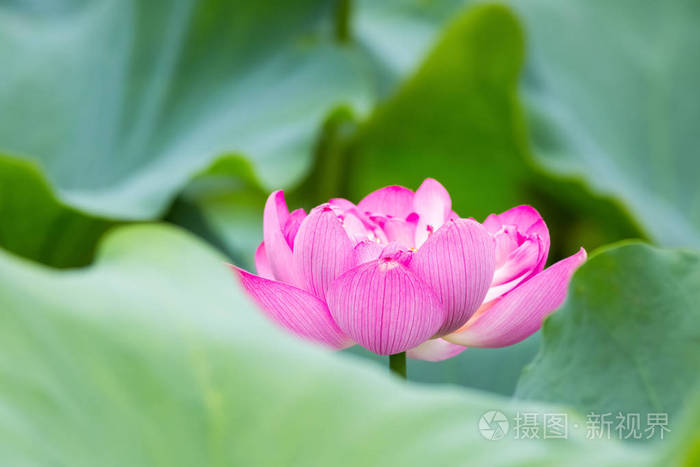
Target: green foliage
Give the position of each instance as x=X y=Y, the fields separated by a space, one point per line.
x=163 y=362
x=38 y=226
x=611 y=92
x=122 y=101
x=628 y=337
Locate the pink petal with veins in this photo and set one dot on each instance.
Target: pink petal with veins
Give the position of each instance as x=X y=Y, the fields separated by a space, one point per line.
x=434 y=206
x=521 y=260
x=518 y=314
x=384 y=307
x=294 y=309
x=457 y=262
x=322 y=250
x=394 y=200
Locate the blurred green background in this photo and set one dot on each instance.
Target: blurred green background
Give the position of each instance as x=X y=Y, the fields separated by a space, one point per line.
x=123 y=112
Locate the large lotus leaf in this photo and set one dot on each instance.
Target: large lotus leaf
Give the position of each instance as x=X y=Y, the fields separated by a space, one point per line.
x=628 y=337
x=399 y=33
x=121 y=101
x=612 y=93
x=153 y=357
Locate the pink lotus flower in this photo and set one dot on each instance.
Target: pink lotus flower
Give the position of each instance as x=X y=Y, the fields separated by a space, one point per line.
x=400 y=271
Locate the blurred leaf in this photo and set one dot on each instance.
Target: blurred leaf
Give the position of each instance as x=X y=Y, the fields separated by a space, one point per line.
x=399 y=33
x=34 y=224
x=328 y=177
x=156 y=358
x=121 y=101
x=457 y=119
x=684 y=448
x=224 y=205
x=612 y=95
x=628 y=337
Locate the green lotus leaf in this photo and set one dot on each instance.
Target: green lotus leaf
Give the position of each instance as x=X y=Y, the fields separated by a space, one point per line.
x=154 y=357
x=628 y=337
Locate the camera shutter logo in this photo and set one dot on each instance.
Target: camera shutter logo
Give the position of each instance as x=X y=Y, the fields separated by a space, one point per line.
x=493 y=425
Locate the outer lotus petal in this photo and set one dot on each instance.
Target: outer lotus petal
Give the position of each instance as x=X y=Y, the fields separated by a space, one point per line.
x=322 y=250
x=294 y=309
x=384 y=307
x=519 y=313
x=457 y=262
x=262 y=265
x=393 y=200
x=435 y=350
x=498 y=290
x=279 y=253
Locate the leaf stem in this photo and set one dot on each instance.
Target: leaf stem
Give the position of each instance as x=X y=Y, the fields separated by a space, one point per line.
x=397 y=364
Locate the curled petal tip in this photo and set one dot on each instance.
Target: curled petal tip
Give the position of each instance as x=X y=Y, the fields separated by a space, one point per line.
x=583 y=254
